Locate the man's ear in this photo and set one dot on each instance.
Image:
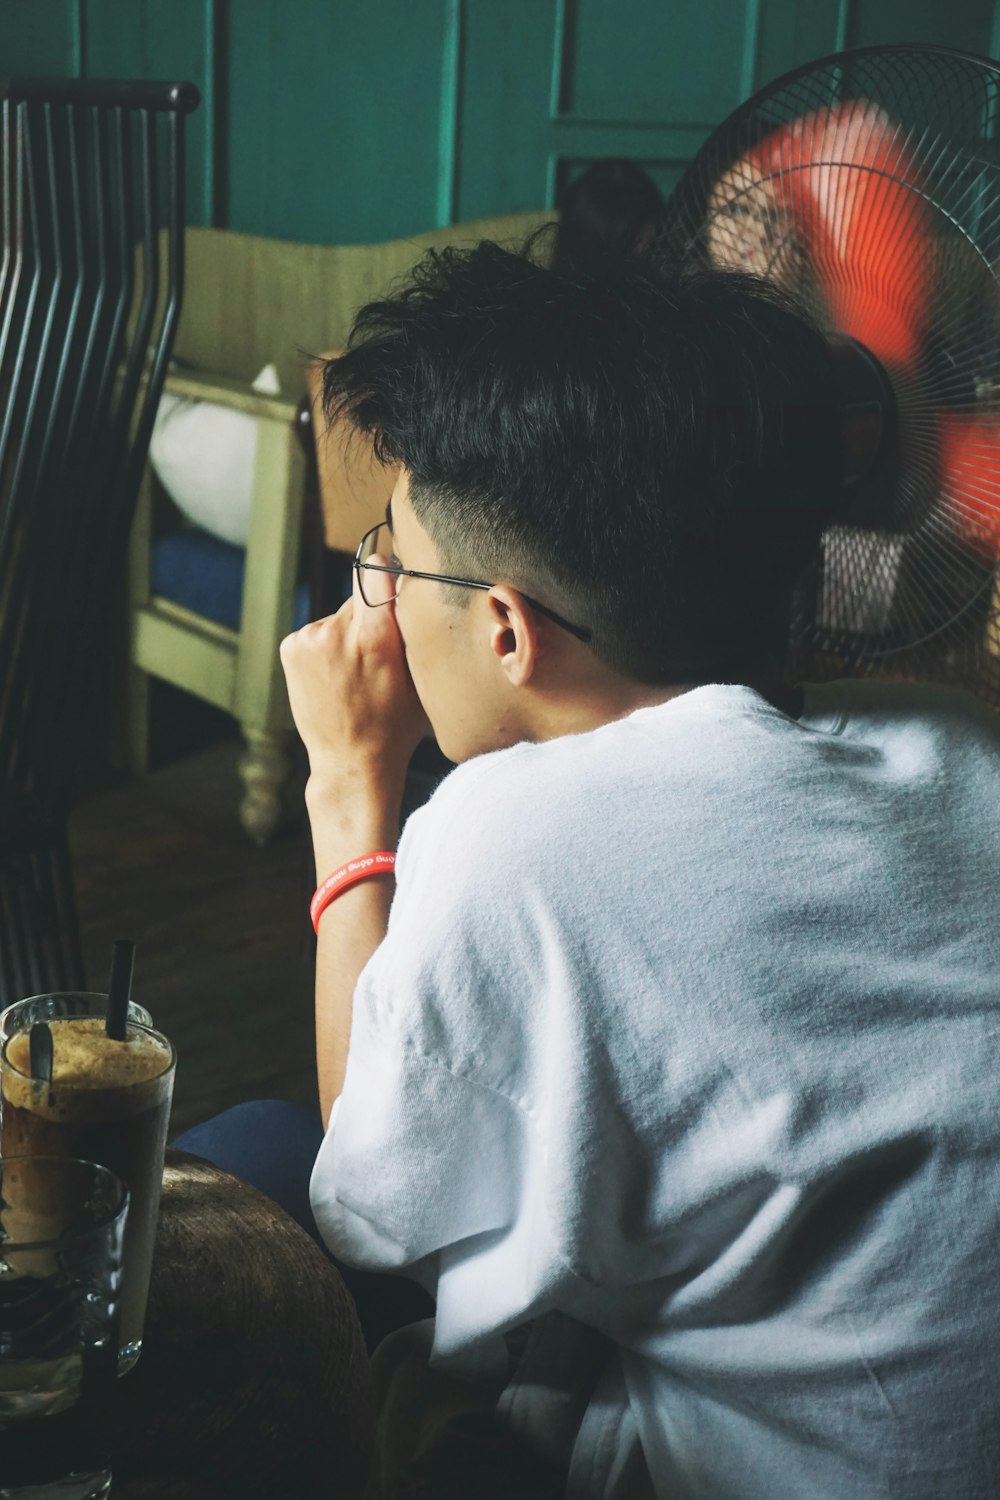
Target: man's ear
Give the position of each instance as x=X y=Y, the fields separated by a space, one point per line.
x=513 y=633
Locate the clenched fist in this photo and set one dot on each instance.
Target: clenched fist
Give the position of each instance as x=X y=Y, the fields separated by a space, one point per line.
x=350 y=691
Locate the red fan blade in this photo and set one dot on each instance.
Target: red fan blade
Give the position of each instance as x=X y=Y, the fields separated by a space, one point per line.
x=851 y=189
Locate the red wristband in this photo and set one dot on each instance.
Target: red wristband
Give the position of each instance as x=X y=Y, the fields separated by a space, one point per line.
x=382 y=862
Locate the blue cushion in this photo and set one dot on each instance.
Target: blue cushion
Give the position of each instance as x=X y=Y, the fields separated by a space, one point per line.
x=205 y=574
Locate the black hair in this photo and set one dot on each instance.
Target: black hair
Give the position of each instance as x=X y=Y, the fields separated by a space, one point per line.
x=613 y=208
x=651 y=456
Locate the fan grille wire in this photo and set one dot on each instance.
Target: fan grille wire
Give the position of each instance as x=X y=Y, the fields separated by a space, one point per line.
x=867 y=185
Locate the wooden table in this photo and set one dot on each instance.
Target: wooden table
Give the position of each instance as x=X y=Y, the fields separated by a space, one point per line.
x=253 y=1379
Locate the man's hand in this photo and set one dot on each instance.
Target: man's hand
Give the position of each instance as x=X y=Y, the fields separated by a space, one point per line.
x=356 y=709
x=351 y=694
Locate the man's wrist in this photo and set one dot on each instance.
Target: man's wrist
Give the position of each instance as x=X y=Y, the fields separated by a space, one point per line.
x=351 y=814
x=361 y=795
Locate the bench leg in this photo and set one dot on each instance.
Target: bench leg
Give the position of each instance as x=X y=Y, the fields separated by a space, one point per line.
x=264 y=769
x=137 y=721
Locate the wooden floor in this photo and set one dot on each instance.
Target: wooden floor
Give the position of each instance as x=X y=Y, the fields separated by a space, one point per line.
x=224 y=958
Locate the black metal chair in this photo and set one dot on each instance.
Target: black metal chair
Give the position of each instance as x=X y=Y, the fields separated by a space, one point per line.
x=91 y=270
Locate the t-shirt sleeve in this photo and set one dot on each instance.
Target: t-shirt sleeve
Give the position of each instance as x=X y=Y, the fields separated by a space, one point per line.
x=416 y=1160
x=421 y=1155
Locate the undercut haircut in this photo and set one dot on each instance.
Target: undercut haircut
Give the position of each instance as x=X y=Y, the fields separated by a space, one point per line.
x=652 y=455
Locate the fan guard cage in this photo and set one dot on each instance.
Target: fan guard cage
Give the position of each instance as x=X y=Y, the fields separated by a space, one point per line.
x=867 y=186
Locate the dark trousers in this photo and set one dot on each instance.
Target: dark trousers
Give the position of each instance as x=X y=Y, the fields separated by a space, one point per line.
x=272 y=1145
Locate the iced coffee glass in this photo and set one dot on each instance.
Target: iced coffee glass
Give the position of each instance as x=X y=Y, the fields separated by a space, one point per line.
x=108 y=1102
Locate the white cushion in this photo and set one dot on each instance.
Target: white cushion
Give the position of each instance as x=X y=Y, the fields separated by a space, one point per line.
x=204 y=456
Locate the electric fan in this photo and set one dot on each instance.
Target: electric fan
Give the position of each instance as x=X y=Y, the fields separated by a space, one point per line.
x=867 y=187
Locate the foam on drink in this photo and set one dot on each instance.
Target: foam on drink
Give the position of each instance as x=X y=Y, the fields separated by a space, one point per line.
x=85 y=1058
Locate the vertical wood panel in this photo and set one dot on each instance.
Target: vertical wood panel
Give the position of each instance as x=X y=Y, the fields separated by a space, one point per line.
x=995 y=32
x=506 y=91
x=335 y=117
x=751 y=48
x=642 y=61
x=793 y=31
x=40 y=37
x=170 y=39
x=560 y=45
x=354 y=120
x=966 y=25
x=452 y=59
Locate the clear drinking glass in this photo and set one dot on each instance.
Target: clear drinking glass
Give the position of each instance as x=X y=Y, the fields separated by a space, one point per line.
x=61 y=1231
x=23 y=1014
x=109 y=1102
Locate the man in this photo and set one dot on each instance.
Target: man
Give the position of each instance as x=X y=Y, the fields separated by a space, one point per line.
x=667 y=1061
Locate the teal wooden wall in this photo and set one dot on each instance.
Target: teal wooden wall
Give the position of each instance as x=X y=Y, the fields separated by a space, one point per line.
x=354 y=120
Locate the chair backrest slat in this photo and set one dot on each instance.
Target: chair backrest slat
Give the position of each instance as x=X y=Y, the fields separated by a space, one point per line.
x=92 y=209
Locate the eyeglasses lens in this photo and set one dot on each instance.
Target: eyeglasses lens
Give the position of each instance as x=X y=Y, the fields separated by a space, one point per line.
x=377 y=541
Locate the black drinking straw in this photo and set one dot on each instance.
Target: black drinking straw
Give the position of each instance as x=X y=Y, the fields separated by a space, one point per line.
x=40 y=1052
x=119 y=988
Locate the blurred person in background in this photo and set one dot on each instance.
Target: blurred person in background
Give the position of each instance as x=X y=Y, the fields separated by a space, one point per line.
x=613 y=208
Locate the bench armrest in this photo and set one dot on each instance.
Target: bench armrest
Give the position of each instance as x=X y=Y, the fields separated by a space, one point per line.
x=236 y=395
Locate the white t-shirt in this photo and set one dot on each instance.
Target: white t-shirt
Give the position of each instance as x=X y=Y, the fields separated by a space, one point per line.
x=687 y=1030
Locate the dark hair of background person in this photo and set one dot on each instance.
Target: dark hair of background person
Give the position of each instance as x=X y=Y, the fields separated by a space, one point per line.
x=613 y=208
x=651 y=456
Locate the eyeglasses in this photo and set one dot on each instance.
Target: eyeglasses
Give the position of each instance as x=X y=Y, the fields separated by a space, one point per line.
x=372 y=544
